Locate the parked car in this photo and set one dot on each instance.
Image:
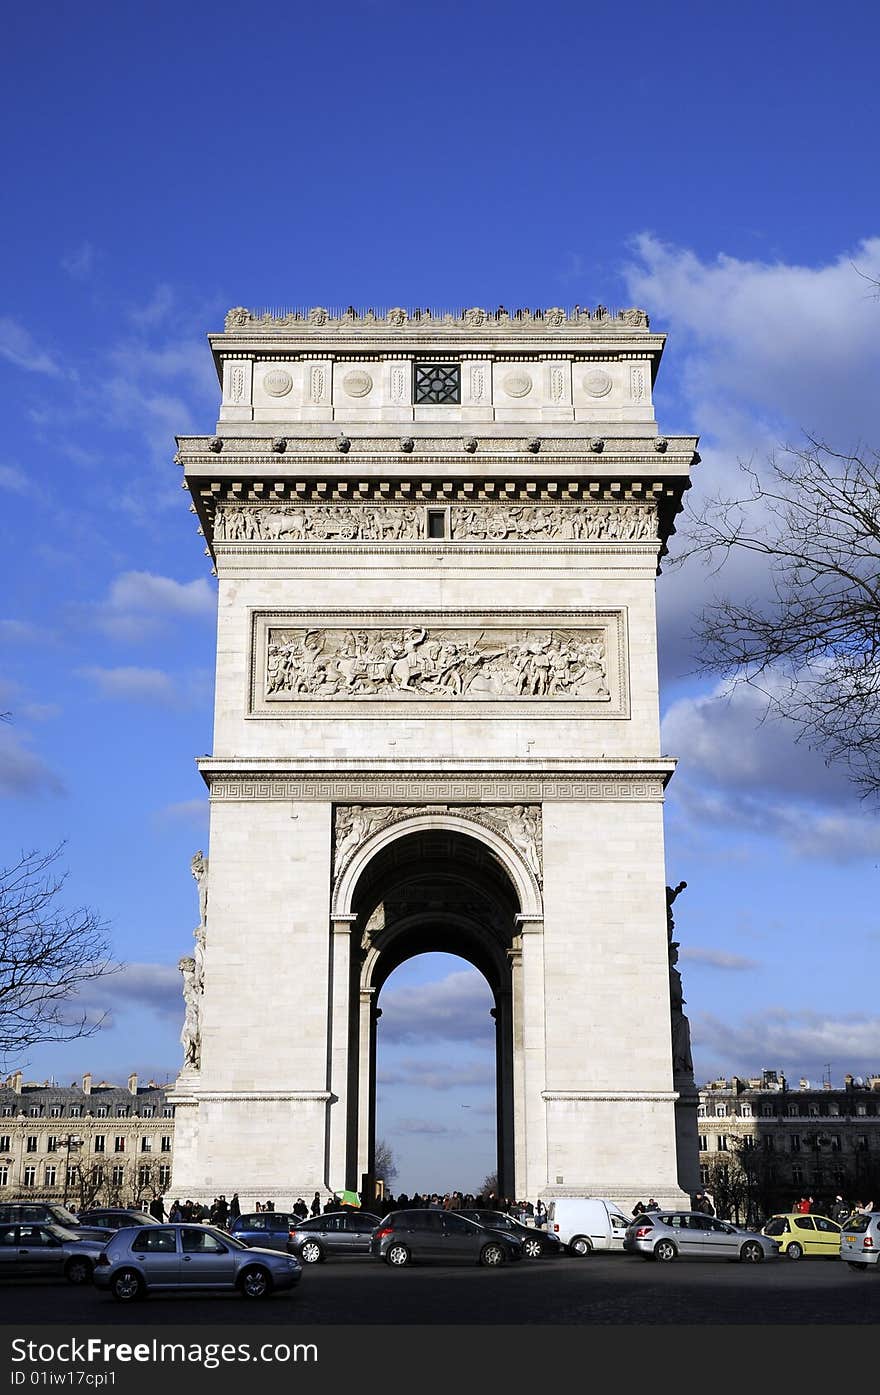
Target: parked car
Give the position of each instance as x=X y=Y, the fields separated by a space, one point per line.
x=405 y=1237
x=587 y=1223
x=860 y=1242
x=50 y=1213
x=115 y=1217
x=41 y=1249
x=267 y=1230
x=334 y=1233
x=804 y=1235
x=668 y=1235
x=535 y=1243
x=140 y=1260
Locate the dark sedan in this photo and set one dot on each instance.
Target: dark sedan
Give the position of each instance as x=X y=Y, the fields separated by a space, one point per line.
x=334 y=1233
x=445 y=1237
x=46 y=1250
x=535 y=1243
x=115 y=1217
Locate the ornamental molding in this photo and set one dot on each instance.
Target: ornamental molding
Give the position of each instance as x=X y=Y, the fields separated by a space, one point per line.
x=518 y=825
x=611 y=1096
x=366 y=522
x=245 y=787
x=320 y=322
x=495 y=450
x=439 y=663
x=269 y=1096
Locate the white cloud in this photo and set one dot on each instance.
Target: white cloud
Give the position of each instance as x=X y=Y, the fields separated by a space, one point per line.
x=455 y=1008
x=139 y=603
x=428 y=1076
x=430 y=1126
x=718 y=959
x=80 y=263
x=156 y=987
x=157 y=308
x=18 y=346
x=22 y=772
x=14 y=481
x=187 y=811
x=798 y=1043
x=129 y=682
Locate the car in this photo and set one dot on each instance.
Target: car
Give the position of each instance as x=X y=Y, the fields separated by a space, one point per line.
x=535 y=1243
x=50 y=1213
x=267 y=1230
x=334 y=1233
x=860 y=1241
x=115 y=1217
x=42 y=1249
x=669 y=1235
x=801 y=1236
x=424 y=1233
x=140 y=1260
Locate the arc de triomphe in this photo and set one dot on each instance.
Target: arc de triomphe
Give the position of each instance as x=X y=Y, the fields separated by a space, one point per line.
x=436 y=539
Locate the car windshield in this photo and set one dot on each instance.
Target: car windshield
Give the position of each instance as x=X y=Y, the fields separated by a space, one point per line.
x=226 y=1238
x=62 y=1232
x=63 y=1216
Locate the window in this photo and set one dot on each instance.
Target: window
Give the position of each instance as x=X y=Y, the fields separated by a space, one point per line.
x=794 y=1142
x=835 y=1143
x=5 y=1142
x=702 y=1143
x=704 y=1176
x=122 y=1111
x=147 y=1111
x=168 y=1111
x=813 y=1111
x=71 y=1176
x=797 y=1175
x=56 y=1111
x=166 y=1143
x=75 y=1111
x=721 y=1143
x=768 y=1143
x=164 y=1175
x=100 y=1140
x=34 y=1111
x=8 y=1111
x=146 y=1144
x=119 y=1144
x=98 y=1175
x=144 y=1174
x=701 y=1111
x=436 y=523
x=31 y=1143
x=745 y=1111
x=767 y=1111
x=30 y=1176
x=200 y=1242
x=52 y=1143
x=438 y=382
x=153 y=1238
x=861 y=1143
x=749 y=1140
x=793 y=1111
x=861 y=1109
x=49 y=1177
x=118 y=1176
x=721 y=1111
x=4 y=1175
x=101 y=1111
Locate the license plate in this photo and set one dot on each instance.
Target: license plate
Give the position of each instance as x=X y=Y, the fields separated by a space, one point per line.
x=850 y=1238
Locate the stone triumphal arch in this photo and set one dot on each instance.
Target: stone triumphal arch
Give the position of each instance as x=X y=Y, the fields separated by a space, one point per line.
x=436 y=539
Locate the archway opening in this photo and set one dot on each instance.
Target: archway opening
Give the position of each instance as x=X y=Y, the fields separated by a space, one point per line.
x=425 y=896
x=436 y=1086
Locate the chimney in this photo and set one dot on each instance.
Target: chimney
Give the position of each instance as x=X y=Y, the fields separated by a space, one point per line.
x=16 y=1082
x=132 y=1084
x=87 y=1083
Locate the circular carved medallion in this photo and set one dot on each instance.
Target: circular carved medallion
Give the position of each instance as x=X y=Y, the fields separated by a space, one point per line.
x=517 y=384
x=358 y=383
x=278 y=382
x=597 y=383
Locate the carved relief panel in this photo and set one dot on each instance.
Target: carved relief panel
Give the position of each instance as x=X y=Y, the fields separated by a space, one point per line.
x=444 y=663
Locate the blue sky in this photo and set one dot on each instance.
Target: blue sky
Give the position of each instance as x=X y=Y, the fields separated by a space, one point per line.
x=715 y=166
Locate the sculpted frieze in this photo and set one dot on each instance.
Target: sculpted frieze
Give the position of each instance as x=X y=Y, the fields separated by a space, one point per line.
x=518 y=824
x=470 y=664
x=401 y=522
x=473 y=320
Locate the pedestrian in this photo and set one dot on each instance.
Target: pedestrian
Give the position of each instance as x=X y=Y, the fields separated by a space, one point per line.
x=865 y=1208
x=176 y=1212
x=639 y=1208
x=540 y=1214
x=652 y=1205
x=802 y=1206
x=234 y=1207
x=840 y=1210
x=157 y=1208
x=316 y=1204
x=269 y=1206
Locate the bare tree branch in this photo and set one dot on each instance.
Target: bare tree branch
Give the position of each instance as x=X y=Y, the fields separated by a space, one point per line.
x=811 y=643
x=47 y=954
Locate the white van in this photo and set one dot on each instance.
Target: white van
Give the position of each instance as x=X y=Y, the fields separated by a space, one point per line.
x=587 y=1223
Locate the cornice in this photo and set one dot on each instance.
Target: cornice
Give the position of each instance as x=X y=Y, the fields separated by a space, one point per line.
x=474 y=322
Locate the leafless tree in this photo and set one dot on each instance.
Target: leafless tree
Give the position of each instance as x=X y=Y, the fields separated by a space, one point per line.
x=385 y=1167
x=811 y=643
x=47 y=955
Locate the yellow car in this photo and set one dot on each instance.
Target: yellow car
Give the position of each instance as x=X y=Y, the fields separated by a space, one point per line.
x=804 y=1235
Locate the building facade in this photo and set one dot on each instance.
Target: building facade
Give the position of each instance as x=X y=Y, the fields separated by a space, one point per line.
x=436 y=539
x=87 y=1144
x=764 y=1143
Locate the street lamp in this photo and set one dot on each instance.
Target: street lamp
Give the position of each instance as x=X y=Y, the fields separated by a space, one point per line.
x=72 y=1140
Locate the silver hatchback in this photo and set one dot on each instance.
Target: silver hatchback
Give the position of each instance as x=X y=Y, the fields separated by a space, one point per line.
x=669 y=1235
x=860 y=1242
x=189 y=1257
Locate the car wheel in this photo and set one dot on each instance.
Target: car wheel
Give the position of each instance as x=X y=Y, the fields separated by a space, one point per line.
x=580 y=1246
x=532 y=1249
x=751 y=1252
x=397 y=1256
x=665 y=1251
x=310 y=1252
x=256 y=1283
x=127 y=1285
x=78 y=1271
x=492 y=1255
x=794 y=1250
